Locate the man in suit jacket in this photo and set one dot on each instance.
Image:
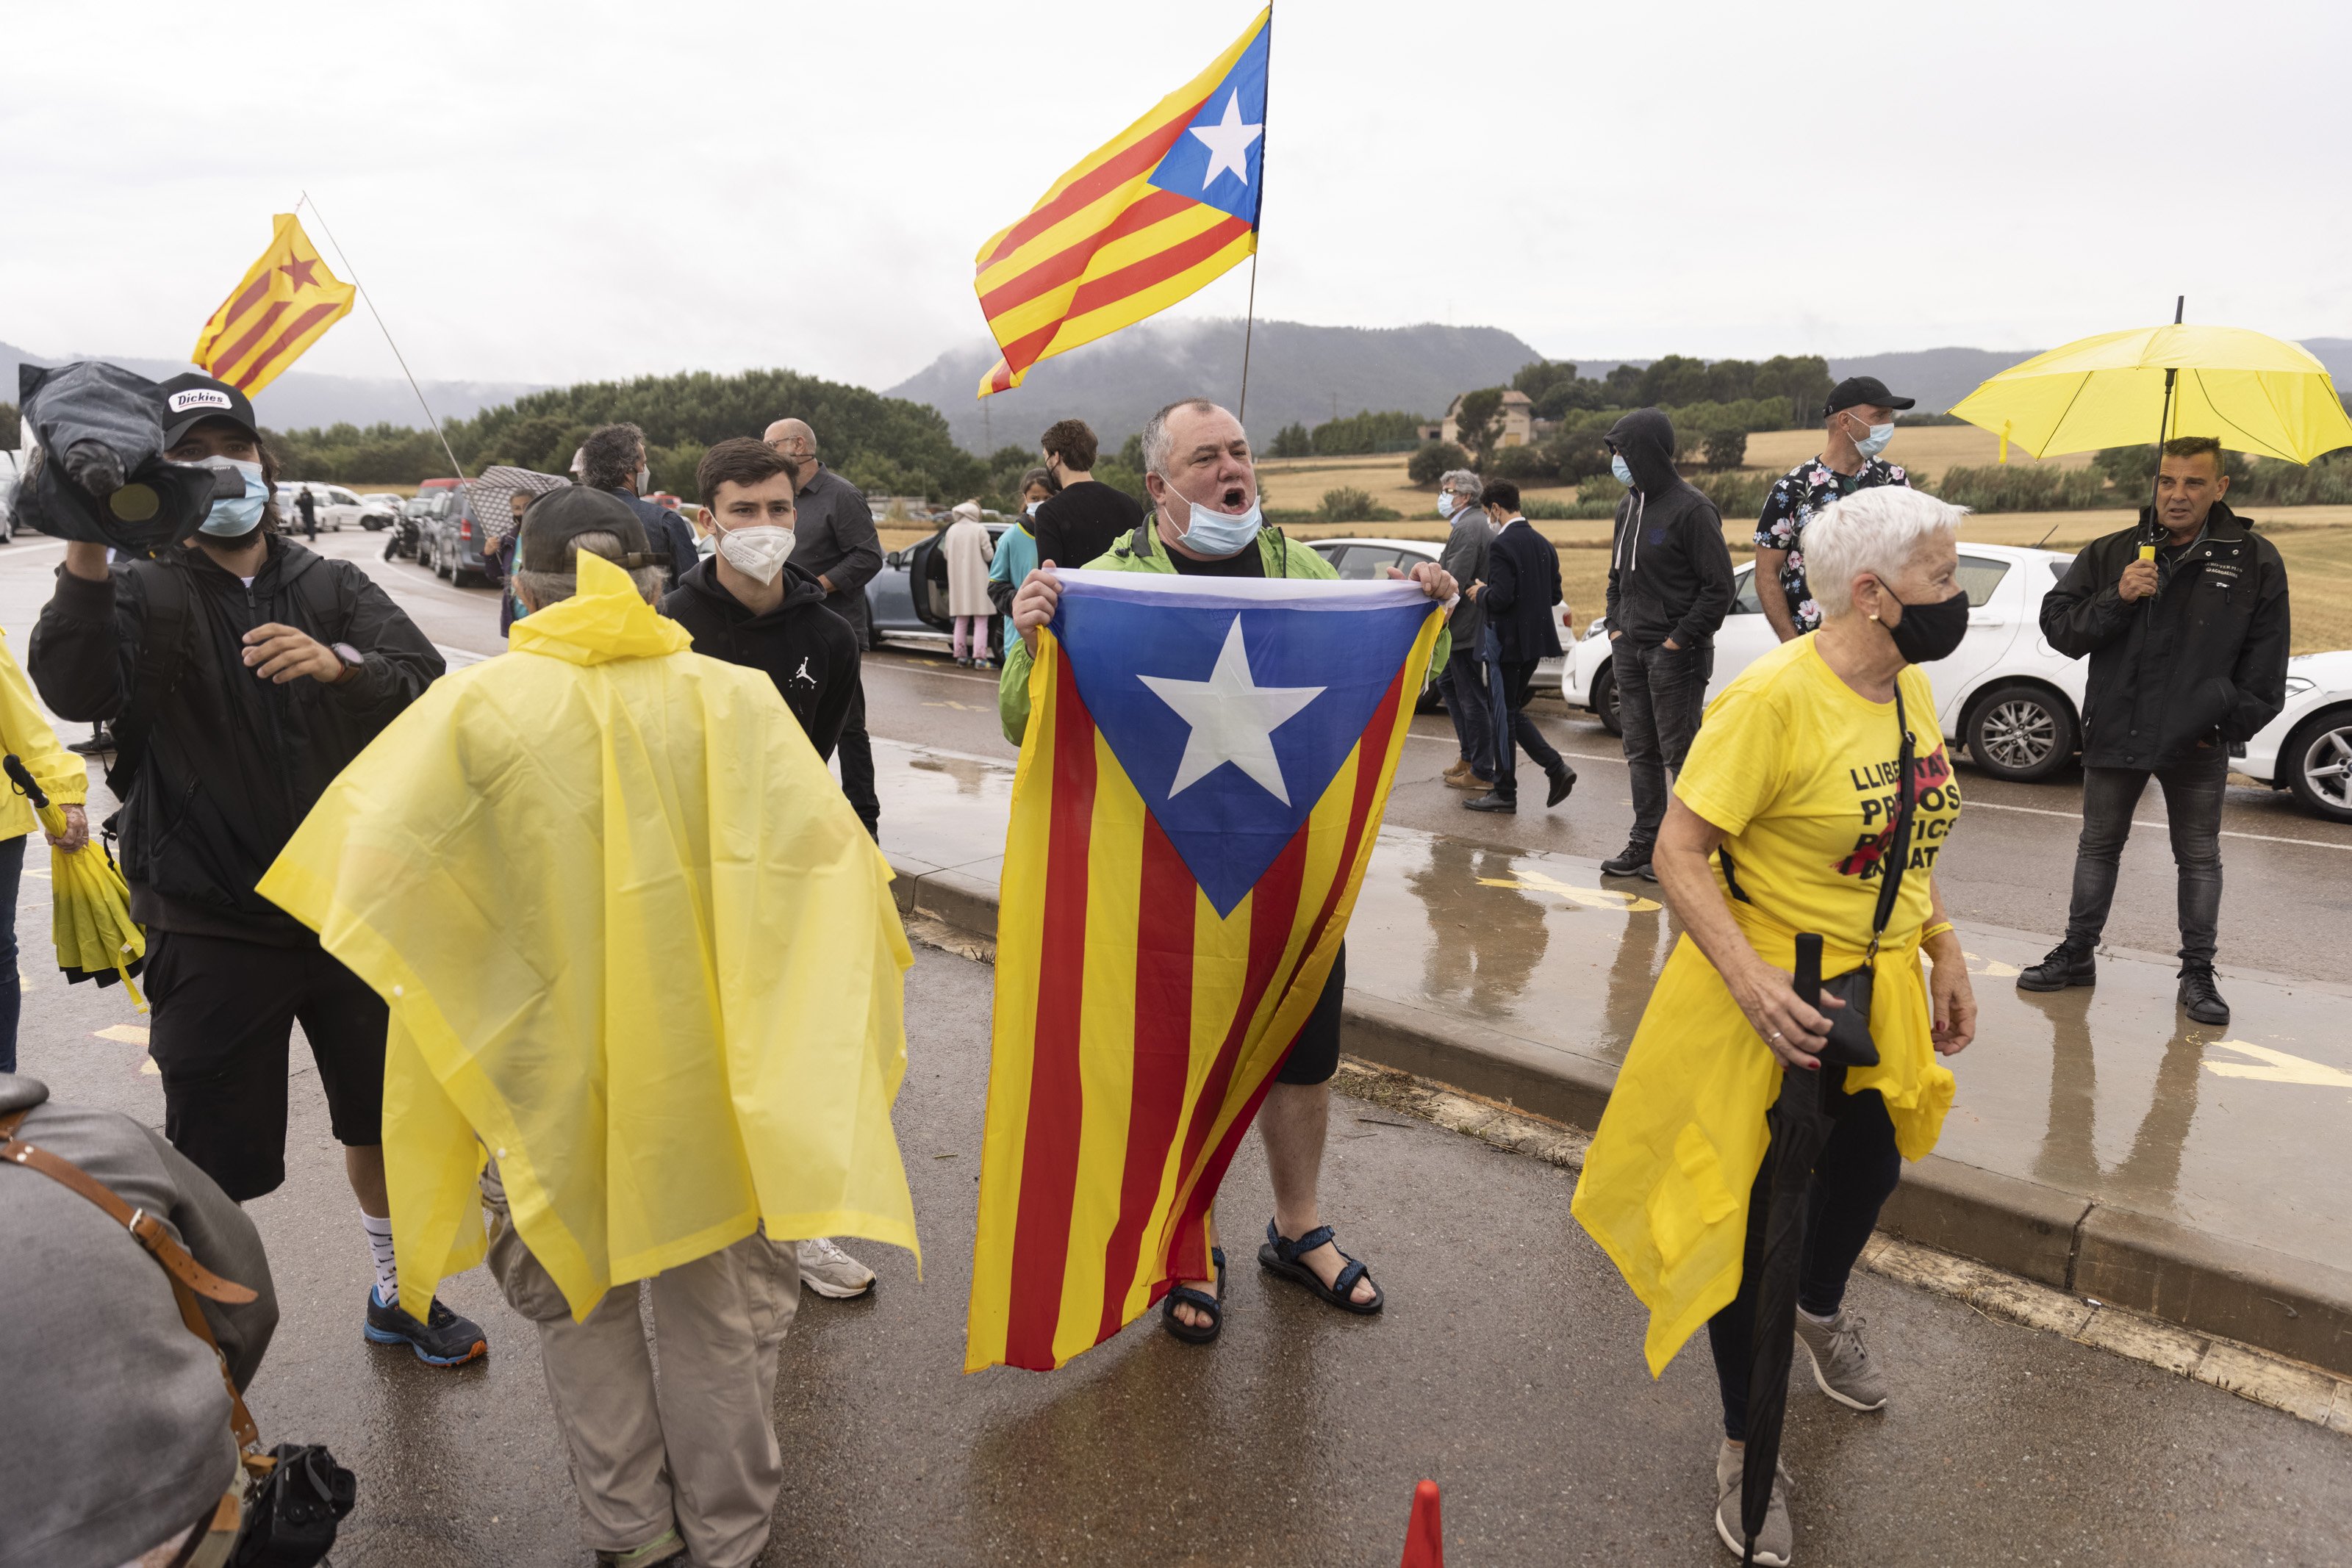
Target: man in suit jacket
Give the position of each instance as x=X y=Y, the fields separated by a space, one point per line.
x=1465 y=680
x=1522 y=584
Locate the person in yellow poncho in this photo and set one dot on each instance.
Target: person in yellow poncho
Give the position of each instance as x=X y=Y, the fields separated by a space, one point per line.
x=65 y=778
x=641 y=957
x=1791 y=789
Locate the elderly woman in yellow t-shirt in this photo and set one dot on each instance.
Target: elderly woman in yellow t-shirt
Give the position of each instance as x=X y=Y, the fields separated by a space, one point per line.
x=1781 y=820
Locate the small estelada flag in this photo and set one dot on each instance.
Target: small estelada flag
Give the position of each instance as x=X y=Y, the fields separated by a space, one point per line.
x=1200 y=785
x=286 y=301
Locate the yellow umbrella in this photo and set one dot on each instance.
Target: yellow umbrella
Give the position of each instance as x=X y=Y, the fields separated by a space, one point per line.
x=2250 y=392
x=96 y=937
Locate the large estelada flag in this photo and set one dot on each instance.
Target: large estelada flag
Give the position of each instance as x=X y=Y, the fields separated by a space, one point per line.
x=284 y=303
x=1199 y=793
x=1151 y=215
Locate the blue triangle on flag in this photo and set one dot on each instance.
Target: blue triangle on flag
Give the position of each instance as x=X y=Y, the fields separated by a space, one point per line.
x=1220 y=159
x=1231 y=716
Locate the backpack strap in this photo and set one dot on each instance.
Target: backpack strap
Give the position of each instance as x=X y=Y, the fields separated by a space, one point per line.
x=189 y=1278
x=162 y=660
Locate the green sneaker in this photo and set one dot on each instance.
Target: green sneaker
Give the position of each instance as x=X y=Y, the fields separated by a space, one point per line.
x=664 y=1547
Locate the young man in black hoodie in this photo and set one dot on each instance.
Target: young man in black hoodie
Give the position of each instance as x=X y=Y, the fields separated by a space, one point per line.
x=2184 y=619
x=240 y=675
x=749 y=605
x=1669 y=590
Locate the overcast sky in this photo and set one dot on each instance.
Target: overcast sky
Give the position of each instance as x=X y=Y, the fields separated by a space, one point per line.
x=558 y=191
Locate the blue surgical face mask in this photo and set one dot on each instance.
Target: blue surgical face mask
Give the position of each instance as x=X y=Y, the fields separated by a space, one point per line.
x=1219 y=534
x=235 y=519
x=1445 y=502
x=1873 y=444
x=1617 y=466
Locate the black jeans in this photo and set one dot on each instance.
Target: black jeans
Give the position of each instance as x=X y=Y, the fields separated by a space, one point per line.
x=1660 y=692
x=1507 y=681
x=1465 y=683
x=856 y=754
x=1853 y=1178
x=2192 y=800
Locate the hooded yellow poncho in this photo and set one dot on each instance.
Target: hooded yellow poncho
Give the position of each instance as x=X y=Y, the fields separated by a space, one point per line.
x=634 y=941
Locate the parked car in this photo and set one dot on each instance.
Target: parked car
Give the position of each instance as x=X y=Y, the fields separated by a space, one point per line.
x=2012 y=698
x=908 y=600
x=332 y=504
x=449 y=542
x=379 y=509
x=1364 y=560
x=2308 y=750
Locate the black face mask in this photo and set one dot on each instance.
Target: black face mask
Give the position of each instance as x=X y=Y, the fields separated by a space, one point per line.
x=1930 y=632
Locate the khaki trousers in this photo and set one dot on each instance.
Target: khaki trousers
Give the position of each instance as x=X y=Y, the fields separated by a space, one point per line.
x=697 y=1445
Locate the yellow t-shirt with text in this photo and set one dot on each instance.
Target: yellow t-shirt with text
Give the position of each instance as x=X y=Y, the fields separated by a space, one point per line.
x=1800 y=770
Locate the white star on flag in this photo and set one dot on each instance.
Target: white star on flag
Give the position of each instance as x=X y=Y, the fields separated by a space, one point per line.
x=1228 y=141
x=1233 y=717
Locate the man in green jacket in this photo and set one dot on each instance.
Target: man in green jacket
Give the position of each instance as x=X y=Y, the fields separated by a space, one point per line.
x=1205 y=522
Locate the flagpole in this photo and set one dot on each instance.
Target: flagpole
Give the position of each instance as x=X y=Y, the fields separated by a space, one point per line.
x=456 y=467
x=1257 y=230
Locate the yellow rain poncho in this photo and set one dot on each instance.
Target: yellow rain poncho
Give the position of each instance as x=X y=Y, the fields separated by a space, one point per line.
x=633 y=939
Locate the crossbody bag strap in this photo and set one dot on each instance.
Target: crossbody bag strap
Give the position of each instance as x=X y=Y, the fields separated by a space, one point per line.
x=189 y=1278
x=1898 y=851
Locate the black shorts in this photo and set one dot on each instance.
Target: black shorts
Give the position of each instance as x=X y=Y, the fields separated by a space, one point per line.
x=225 y=1012
x=1316 y=1055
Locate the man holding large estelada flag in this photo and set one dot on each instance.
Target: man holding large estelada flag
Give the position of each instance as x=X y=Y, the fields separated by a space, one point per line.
x=1205 y=755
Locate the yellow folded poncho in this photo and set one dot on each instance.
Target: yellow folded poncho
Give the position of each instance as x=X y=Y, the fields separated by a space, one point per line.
x=634 y=941
x=1665 y=1185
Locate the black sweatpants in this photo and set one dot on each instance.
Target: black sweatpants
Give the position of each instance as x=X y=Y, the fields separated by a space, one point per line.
x=1853 y=1178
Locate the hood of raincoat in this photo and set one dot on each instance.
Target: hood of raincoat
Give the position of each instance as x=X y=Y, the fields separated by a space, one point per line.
x=634 y=940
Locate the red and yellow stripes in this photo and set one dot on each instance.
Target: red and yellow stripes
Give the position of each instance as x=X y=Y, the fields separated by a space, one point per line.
x=284 y=303
x=1135 y=1031
x=1104 y=248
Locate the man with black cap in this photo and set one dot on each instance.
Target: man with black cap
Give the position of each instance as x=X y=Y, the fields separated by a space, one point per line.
x=1857 y=422
x=240 y=674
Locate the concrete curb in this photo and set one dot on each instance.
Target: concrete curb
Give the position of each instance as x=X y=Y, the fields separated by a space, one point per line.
x=2206 y=1283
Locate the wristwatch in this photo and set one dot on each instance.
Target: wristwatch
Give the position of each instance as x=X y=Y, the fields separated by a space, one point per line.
x=352 y=657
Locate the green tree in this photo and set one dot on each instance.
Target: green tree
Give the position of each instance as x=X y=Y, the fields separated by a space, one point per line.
x=1131 y=452
x=1292 y=441
x=1478 y=421
x=1435 y=460
x=1726 y=447
x=1574 y=450
x=1519 y=463
x=1365 y=432
x=1676 y=379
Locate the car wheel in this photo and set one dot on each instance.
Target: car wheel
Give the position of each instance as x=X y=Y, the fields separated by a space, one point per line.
x=465 y=579
x=1604 y=700
x=2021 y=733
x=2317 y=763
x=441 y=567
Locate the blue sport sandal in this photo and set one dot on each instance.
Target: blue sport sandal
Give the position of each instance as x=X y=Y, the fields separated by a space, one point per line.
x=1282 y=1257
x=1200 y=1300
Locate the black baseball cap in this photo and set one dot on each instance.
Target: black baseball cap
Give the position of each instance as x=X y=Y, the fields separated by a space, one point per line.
x=188 y=399
x=559 y=517
x=1863 y=392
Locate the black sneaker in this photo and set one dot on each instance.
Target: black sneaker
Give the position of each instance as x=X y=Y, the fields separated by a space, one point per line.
x=1561 y=783
x=1493 y=800
x=1631 y=861
x=98 y=744
x=443 y=1339
x=2197 y=994
x=2065 y=966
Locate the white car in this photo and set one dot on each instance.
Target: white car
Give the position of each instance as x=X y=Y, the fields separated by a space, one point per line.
x=1361 y=561
x=380 y=509
x=2012 y=698
x=2308 y=750
x=332 y=504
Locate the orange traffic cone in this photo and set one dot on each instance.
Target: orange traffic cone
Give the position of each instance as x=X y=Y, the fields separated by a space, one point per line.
x=1424 y=1547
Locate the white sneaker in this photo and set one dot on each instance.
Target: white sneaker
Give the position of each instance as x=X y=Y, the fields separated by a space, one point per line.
x=829 y=1271
x=1775 y=1541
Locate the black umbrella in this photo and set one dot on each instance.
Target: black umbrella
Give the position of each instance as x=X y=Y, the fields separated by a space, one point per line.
x=1800 y=1121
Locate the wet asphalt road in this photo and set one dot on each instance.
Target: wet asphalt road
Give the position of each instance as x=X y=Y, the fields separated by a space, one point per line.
x=1507 y=1368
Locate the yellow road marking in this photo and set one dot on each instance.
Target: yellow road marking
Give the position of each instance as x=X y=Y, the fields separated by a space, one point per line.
x=1994 y=969
x=147 y=1068
x=127 y=1033
x=2281 y=1068
x=1589 y=897
x=959 y=707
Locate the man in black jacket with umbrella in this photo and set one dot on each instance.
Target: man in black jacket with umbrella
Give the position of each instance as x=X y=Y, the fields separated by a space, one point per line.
x=2184 y=619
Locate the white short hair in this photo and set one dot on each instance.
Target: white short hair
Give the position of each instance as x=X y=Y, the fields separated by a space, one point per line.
x=1875 y=531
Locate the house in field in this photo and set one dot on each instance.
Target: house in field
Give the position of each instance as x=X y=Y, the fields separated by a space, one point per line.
x=1521 y=425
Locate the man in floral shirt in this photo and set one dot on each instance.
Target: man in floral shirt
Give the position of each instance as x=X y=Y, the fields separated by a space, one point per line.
x=1858 y=422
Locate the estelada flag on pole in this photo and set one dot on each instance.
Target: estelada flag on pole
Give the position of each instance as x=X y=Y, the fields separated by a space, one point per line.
x=1151 y=215
x=1199 y=793
x=284 y=303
